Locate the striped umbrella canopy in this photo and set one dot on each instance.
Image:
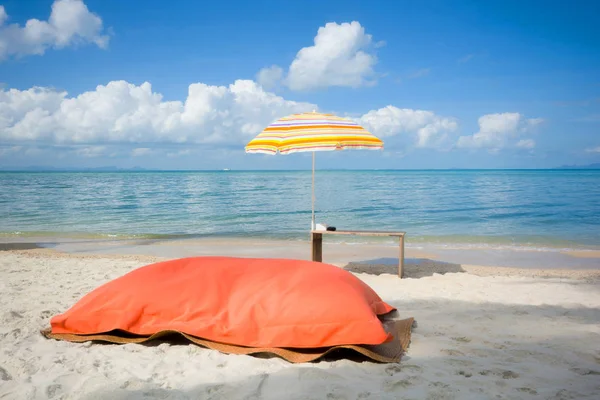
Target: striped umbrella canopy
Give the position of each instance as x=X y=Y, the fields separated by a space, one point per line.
x=312 y=132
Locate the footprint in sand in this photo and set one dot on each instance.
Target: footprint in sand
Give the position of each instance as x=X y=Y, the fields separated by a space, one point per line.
x=15 y=315
x=465 y=374
x=439 y=385
x=393 y=385
x=505 y=374
x=215 y=389
x=4 y=375
x=585 y=371
x=517 y=354
x=47 y=314
x=460 y=363
x=433 y=334
x=509 y=375
x=394 y=369
x=133 y=384
x=53 y=390
x=527 y=390
x=440 y=391
x=401 y=384
x=452 y=352
x=565 y=394
x=461 y=339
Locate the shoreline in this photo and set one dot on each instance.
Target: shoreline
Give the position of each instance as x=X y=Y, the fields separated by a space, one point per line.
x=373 y=259
x=454 y=241
x=517 y=255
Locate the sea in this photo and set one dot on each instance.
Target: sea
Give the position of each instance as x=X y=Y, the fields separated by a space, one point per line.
x=469 y=208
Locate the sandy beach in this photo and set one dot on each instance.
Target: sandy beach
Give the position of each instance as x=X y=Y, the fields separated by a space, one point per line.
x=482 y=332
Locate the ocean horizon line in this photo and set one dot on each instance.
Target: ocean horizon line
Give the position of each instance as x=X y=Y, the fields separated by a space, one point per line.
x=142 y=170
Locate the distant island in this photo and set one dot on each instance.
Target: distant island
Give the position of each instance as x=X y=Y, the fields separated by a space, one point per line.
x=589 y=166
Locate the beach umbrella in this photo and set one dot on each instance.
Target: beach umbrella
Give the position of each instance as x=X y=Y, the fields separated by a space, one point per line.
x=314 y=132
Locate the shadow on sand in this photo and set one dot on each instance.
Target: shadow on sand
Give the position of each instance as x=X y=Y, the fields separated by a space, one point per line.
x=413 y=267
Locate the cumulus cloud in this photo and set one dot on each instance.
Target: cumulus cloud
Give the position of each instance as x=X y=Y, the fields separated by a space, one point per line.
x=498 y=131
x=269 y=77
x=342 y=55
x=593 y=150
x=427 y=129
x=121 y=112
x=70 y=23
x=136 y=118
x=339 y=57
x=124 y=113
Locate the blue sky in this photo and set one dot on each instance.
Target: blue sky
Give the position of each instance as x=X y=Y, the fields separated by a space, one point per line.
x=178 y=85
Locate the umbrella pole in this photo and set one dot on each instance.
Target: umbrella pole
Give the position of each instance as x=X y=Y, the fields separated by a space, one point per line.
x=313 y=192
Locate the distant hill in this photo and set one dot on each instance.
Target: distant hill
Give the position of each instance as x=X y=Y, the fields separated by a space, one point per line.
x=589 y=166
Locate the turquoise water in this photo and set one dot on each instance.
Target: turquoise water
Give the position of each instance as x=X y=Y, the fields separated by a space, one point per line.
x=536 y=208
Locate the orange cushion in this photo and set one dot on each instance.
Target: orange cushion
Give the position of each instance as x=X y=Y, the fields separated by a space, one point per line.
x=242 y=301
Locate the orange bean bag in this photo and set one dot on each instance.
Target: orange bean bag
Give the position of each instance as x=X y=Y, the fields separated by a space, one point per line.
x=241 y=301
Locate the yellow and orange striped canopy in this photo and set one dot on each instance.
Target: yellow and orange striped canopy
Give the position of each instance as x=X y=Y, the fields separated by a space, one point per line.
x=312 y=132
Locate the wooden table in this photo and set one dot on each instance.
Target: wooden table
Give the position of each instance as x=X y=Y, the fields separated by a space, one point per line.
x=317 y=243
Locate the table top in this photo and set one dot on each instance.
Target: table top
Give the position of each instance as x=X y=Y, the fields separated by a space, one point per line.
x=363 y=233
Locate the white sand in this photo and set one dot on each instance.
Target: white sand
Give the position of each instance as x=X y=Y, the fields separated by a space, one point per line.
x=479 y=336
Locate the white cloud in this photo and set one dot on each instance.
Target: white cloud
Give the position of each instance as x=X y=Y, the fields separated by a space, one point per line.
x=5 y=151
x=121 y=112
x=526 y=144
x=593 y=150
x=3 y=15
x=124 y=113
x=533 y=122
x=340 y=56
x=497 y=131
x=70 y=23
x=179 y=153
x=141 y=151
x=427 y=130
x=269 y=77
x=91 y=151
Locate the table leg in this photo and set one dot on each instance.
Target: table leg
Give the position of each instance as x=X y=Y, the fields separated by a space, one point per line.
x=317 y=246
x=401 y=258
